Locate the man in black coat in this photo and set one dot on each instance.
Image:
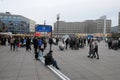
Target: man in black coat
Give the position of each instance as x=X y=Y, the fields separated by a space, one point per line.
x=49 y=60
x=50 y=43
x=28 y=44
x=35 y=43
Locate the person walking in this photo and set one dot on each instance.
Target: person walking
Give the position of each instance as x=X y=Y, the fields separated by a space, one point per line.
x=95 y=53
x=91 y=48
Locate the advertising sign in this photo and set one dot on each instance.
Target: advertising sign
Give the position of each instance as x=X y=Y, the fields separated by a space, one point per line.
x=43 y=28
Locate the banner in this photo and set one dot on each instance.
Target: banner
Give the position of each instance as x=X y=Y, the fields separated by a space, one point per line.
x=43 y=28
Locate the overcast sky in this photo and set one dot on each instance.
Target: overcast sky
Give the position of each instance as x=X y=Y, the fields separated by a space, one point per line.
x=69 y=10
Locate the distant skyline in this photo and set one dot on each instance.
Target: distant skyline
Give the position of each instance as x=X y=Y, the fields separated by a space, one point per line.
x=69 y=10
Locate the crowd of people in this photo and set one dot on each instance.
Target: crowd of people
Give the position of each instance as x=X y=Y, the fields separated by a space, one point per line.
x=73 y=43
x=76 y=43
x=40 y=44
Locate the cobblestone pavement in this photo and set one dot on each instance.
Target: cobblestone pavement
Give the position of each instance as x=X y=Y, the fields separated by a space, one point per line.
x=21 y=65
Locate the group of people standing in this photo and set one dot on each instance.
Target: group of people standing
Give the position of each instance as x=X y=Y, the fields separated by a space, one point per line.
x=49 y=60
x=14 y=43
x=74 y=43
x=113 y=44
x=39 y=45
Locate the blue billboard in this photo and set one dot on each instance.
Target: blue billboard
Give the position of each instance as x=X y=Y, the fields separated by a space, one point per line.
x=43 y=28
x=89 y=36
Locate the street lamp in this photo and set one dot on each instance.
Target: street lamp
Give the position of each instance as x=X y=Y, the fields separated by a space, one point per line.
x=44 y=26
x=58 y=17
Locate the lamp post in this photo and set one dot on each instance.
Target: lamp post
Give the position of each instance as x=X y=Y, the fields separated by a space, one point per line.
x=58 y=17
x=44 y=25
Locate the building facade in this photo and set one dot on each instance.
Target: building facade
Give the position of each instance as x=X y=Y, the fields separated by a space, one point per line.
x=114 y=29
x=68 y=27
x=16 y=23
x=100 y=26
x=87 y=27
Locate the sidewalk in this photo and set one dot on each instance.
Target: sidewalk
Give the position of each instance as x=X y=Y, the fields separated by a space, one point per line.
x=21 y=65
x=77 y=66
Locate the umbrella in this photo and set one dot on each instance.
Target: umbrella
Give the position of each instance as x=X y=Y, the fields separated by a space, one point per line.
x=65 y=37
x=37 y=34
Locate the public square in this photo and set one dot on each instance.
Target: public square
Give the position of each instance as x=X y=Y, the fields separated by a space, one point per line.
x=21 y=64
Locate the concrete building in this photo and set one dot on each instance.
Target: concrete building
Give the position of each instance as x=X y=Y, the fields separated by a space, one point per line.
x=100 y=26
x=88 y=26
x=16 y=23
x=68 y=27
x=114 y=29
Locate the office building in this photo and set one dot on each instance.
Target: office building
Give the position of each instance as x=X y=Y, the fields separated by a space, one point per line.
x=16 y=23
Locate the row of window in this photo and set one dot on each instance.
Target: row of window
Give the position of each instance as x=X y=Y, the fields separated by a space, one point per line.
x=9 y=17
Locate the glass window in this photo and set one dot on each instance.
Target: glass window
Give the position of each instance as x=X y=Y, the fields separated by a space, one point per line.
x=10 y=17
x=5 y=17
x=0 y=16
x=14 y=17
x=18 y=17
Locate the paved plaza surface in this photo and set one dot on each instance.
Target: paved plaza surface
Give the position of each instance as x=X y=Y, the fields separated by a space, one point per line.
x=21 y=65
